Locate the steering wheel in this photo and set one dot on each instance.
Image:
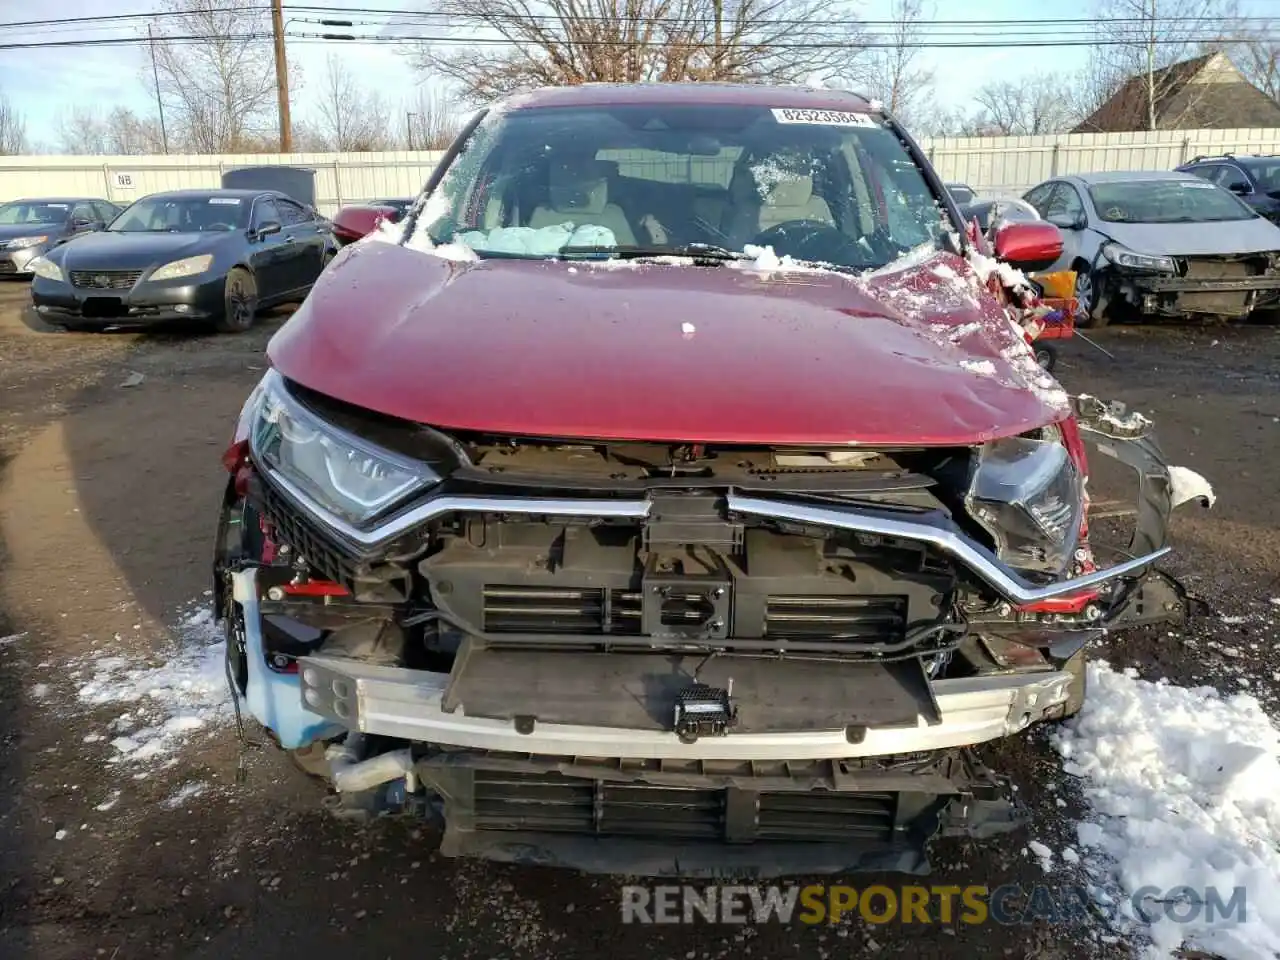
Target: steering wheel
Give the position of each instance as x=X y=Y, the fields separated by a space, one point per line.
x=809 y=240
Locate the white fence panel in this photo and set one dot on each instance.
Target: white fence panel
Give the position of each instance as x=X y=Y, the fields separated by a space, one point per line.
x=340 y=178
x=994 y=166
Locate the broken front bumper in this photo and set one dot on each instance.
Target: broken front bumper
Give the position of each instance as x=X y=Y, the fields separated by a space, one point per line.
x=1179 y=296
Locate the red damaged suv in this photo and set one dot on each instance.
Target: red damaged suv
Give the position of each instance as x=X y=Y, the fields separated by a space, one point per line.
x=673 y=491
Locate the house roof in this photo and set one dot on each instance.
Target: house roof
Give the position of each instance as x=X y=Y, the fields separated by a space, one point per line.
x=1205 y=92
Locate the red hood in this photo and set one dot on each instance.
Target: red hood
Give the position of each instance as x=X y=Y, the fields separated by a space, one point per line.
x=662 y=352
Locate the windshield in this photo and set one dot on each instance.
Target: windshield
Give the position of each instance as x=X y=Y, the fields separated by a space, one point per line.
x=1166 y=201
x=825 y=186
x=1267 y=175
x=183 y=215
x=12 y=214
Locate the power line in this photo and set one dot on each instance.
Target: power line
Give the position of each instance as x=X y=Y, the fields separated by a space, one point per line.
x=863 y=43
x=405 y=18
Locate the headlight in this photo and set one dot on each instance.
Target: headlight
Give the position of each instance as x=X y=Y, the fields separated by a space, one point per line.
x=343 y=474
x=43 y=267
x=183 y=268
x=1124 y=257
x=23 y=242
x=1027 y=494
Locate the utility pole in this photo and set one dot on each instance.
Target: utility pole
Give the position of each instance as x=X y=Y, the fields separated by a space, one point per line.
x=718 y=6
x=155 y=72
x=408 y=128
x=282 y=77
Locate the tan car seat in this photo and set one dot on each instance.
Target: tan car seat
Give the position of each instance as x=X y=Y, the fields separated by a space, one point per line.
x=793 y=199
x=578 y=193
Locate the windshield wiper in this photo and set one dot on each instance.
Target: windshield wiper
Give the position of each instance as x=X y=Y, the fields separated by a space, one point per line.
x=706 y=252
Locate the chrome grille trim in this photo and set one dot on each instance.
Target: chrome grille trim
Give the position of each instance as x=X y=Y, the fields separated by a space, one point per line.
x=950 y=541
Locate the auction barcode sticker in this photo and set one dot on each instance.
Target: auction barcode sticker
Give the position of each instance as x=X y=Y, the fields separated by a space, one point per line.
x=835 y=118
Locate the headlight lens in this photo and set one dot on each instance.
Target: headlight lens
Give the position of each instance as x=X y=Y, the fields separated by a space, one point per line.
x=1124 y=257
x=1028 y=495
x=184 y=268
x=43 y=267
x=344 y=475
x=23 y=242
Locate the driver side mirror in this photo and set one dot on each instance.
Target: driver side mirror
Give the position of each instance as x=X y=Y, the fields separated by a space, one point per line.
x=82 y=224
x=267 y=229
x=359 y=220
x=1238 y=187
x=1028 y=245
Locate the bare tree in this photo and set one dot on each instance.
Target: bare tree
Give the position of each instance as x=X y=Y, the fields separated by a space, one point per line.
x=1141 y=38
x=1040 y=104
x=13 y=129
x=351 y=118
x=85 y=131
x=565 y=42
x=1255 y=50
x=82 y=131
x=893 y=72
x=219 y=93
x=431 y=120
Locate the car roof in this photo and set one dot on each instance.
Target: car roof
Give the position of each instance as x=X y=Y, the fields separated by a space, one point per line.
x=1128 y=176
x=725 y=94
x=58 y=200
x=211 y=192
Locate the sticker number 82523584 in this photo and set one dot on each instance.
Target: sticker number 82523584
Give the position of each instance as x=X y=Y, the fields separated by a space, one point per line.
x=838 y=118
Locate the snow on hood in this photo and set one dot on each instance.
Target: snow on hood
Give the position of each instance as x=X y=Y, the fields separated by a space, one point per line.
x=1185 y=783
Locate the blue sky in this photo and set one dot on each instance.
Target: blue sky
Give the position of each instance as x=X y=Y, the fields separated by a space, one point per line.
x=46 y=83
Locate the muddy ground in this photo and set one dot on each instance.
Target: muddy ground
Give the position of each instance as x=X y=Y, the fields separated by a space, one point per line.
x=107 y=501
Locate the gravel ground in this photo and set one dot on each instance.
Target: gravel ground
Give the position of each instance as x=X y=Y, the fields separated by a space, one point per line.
x=107 y=503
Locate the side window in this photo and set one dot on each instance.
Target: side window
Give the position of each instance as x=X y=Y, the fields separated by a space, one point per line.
x=291 y=213
x=106 y=212
x=1065 y=203
x=1038 y=197
x=84 y=211
x=1213 y=172
x=265 y=211
x=1233 y=174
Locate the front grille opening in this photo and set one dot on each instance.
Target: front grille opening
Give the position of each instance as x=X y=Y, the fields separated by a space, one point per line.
x=836 y=617
x=532 y=609
x=105 y=279
x=554 y=803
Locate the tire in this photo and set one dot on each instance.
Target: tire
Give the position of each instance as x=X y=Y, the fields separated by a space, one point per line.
x=1077 y=688
x=240 y=302
x=1046 y=356
x=1087 y=300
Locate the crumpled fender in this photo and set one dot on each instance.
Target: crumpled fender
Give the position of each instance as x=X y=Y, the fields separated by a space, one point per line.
x=1127 y=436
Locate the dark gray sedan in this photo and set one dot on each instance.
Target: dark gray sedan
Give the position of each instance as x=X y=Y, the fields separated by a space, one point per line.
x=29 y=228
x=1160 y=244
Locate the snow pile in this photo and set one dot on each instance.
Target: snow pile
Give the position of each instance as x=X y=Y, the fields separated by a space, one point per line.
x=983 y=368
x=1187 y=783
x=1189 y=485
x=763 y=258
x=985 y=266
x=165 y=703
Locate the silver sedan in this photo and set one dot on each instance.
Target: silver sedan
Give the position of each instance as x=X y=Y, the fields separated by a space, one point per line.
x=1150 y=244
